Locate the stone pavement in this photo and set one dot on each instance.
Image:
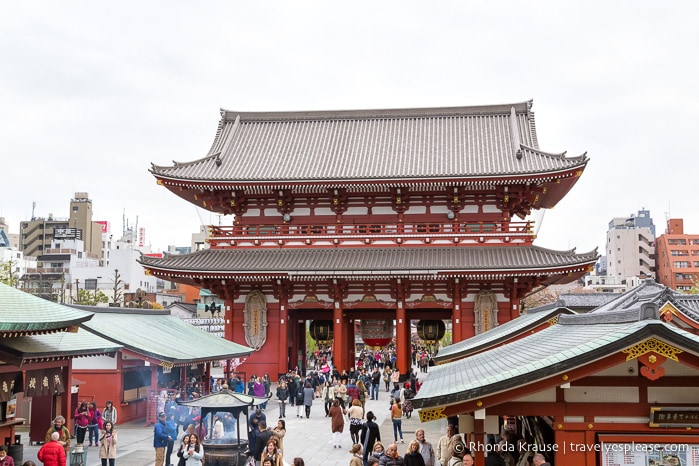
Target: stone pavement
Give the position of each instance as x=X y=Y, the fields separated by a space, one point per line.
x=308 y=438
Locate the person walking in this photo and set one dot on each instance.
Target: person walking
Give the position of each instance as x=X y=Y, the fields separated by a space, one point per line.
x=160 y=439
x=272 y=453
x=355 y=414
x=391 y=458
x=109 y=413
x=95 y=423
x=426 y=449
x=375 y=381
x=328 y=395
x=52 y=453
x=282 y=396
x=171 y=431
x=63 y=435
x=443 y=443
x=107 y=444
x=412 y=456
x=369 y=435
x=396 y=419
x=279 y=432
x=337 y=423
x=308 y=396
x=357 y=456
x=82 y=420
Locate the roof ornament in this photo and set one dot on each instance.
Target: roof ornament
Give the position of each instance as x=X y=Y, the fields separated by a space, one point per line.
x=218 y=160
x=514 y=127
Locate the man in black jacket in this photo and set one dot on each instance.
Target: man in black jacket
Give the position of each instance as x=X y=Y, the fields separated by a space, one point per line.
x=261 y=442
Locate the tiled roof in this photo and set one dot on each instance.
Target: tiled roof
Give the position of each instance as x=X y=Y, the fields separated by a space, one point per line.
x=63 y=344
x=498 y=334
x=586 y=300
x=22 y=313
x=404 y=144
x=652 y=292
x=573 y=342
x=159 y=335
x=353 y=261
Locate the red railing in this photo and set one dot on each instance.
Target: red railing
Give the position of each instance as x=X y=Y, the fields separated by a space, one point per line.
x=226 y=236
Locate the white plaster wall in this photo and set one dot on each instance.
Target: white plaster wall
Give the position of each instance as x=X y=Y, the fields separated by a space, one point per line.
x=601 y=394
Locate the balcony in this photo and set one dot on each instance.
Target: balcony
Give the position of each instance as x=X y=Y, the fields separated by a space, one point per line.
x=352 y=235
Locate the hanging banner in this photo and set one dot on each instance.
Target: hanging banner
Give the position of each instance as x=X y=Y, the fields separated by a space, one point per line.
x=42 y=382
x=10 y=383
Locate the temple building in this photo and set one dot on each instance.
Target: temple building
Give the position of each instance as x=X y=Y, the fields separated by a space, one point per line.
x=616 y=385
x=379 y=216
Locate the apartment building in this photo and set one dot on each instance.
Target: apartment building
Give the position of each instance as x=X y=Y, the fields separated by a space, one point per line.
x=39 y=233
x=677 y=257
x=631 y=247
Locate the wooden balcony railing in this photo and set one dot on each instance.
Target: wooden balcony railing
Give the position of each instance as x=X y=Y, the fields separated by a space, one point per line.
x=351 y=234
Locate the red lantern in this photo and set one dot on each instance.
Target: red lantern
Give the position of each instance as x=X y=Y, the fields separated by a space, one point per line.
x=377 y=332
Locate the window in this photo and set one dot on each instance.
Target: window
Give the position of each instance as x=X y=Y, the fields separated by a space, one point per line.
x=680 y=264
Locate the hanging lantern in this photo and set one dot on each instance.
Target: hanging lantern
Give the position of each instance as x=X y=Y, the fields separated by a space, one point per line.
x=431 y=330
x=377 y=332
x=321 y=330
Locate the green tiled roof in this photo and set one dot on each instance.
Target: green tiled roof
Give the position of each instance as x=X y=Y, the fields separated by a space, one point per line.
x=552 y=351
x=498 y=334
x=159 y=335
x=58 y=345
x=22 y=313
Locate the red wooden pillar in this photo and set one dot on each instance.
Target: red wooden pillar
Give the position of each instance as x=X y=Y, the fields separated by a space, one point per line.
x=339 y=343
x=478 y=438
x=456 y=333
x=283 y=356
x=403 y=359
x=514 y=301
x=351 y=347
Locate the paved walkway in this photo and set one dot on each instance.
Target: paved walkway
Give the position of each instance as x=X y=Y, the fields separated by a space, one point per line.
x=308 y=438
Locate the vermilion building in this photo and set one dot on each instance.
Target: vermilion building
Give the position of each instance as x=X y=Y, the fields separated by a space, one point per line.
x=382 y=216
x=616 y=385
x=677 y=257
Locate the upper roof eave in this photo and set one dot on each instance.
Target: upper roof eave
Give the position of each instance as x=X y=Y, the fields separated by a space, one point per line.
x=333 y=262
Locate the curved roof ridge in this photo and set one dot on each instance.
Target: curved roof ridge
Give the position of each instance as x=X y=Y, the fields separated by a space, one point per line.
x=410 y=112
x=176 y=164
x=560 y=155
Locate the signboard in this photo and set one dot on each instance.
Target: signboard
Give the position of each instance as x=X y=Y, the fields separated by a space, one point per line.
x=67 y=233
x=674 y=417
x=105 y=226
x=650 y=454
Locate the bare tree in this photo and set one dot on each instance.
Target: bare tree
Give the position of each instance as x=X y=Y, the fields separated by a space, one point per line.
x=118 y=293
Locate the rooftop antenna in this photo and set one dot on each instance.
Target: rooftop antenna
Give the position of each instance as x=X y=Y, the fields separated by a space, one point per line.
x=33 y=207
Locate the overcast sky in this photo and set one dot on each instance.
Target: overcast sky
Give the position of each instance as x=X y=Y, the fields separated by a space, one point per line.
x=92 y=93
